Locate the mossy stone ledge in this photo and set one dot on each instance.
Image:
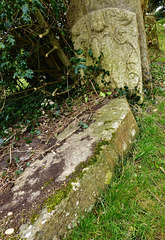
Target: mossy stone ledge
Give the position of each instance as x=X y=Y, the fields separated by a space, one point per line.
x=81 y=166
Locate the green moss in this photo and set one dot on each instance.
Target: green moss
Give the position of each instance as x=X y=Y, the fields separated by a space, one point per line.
x=56 y=198
x=92 y=160
x=34 y=217
x=108 y=177
x=98 y=149
x=61 y=194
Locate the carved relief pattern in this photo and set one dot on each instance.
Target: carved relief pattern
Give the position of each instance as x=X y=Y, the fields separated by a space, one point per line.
x=115 y=33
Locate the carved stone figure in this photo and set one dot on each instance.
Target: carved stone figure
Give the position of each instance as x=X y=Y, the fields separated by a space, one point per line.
x=113 y=32
x=81 y=8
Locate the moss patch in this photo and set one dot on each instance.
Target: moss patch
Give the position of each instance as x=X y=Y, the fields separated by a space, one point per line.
x=108 y=177
x=61 y=194
x=34 y=217
x=92 y=160
x=56 y=198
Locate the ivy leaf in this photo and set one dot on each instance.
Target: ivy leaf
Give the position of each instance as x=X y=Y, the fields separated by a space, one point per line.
x=17 y=159
x=7 y=24
x=102 y=94
x=79 y=51
x=1 y=141
x=11 y=39
x=28 y=164
x=2 y=46
x=83 y=125
x=38 y=4
x=16 y=74
x=73 y=59
x=25 y=15
x=25 y=9
x=90 y=52
x=19 y=171
x=83 y=60
x=29 y=73
x=38 y=132
x=76 y=70
x=107 y=72
x=78 y=67
x=81 y=66
x=108 y=93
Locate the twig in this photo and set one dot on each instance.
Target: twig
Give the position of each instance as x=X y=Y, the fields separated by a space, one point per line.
x=94 y=87
x=37 y=88
x=3 y=101
x=25 y=151
x=10 y=138
x=46 y=92
x=67 y=82
x=66 y=90
x=3 y=148
x=156 y=198
x=162 y=169
x=4 y=95
x=66 y=3
x=10 y=155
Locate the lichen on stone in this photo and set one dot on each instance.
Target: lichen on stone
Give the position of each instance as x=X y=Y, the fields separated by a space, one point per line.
x=108 y=177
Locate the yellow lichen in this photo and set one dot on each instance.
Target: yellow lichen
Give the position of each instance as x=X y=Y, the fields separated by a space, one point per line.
x=108 y=177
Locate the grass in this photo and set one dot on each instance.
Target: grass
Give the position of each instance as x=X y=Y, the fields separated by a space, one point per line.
x=162 y=21
x=133 y=207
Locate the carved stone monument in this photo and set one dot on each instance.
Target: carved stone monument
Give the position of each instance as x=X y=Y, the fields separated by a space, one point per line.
x=113 y=32
x=152 y=32
x=117 y=29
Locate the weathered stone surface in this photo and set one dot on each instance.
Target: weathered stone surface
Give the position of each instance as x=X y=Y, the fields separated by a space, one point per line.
x=115 y=33
x=79 y=9
x=114 y=128
x=108 y=137
x=152 y=33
